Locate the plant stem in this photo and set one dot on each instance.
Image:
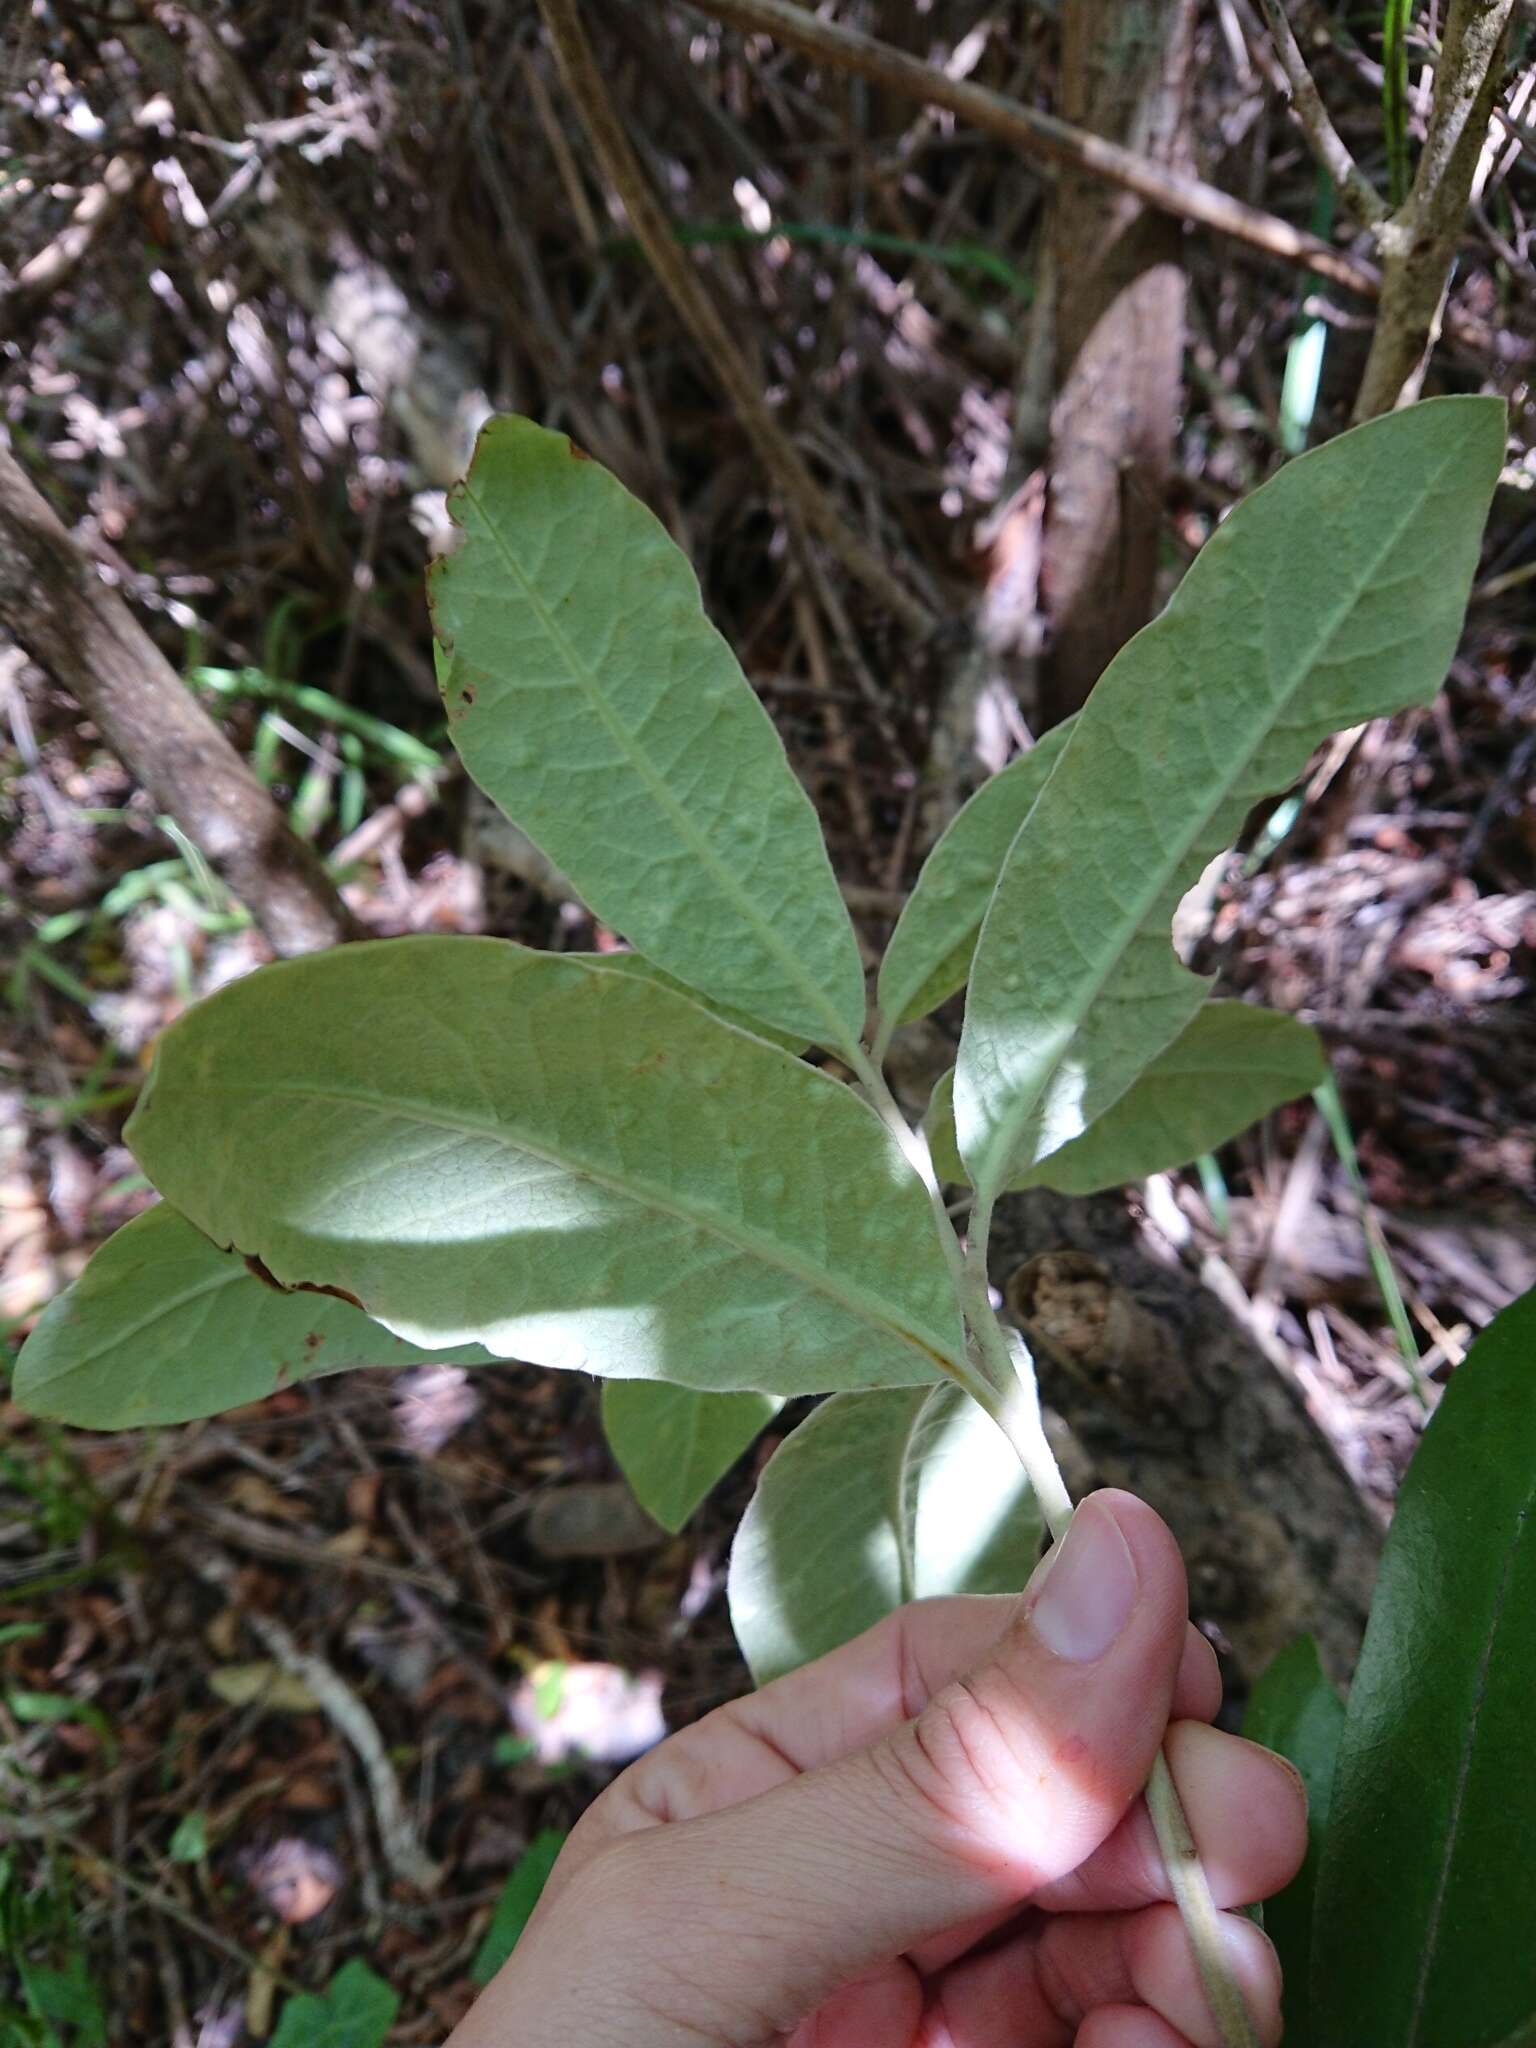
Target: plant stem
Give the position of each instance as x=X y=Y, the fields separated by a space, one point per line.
x=1005 y=1387
x=914 y=1146
x=1197 y=1909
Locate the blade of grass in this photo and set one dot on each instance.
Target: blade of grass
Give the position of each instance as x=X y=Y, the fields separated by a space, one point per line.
x=1213 y=1183
x=965 y=257
x=1331 y=1105
x=254 y=682
x=1395 y=19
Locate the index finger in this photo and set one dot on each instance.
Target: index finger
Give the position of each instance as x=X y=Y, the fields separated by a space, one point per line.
x=824 y=1710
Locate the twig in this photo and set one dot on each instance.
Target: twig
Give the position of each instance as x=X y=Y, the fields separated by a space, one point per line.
x=1328 y=146
x=703 y=319
x=173 y=1909
x=259 y=1539
x=56 y=604
x=1043 y=135
x=42 y=275
x=1418 y=244
x=402 y=1850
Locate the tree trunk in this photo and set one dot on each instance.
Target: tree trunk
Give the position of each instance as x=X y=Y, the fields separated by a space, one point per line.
x=1169 y=1396
x=1119 y=342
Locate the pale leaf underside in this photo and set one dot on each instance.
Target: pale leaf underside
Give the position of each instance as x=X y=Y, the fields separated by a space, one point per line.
x=163 y=1326
x=567 y=1165
x=876 y=1499
x=673 y=1443
x=1333 y=595
x=1230 y=1065
x=592 y=700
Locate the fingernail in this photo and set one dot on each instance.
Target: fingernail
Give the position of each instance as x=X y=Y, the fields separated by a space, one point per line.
x=1088 y=1587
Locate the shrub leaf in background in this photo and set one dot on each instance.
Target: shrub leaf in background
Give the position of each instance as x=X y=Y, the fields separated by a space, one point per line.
x=873 y=1500
x=355 y=2010
x=929 y=955
x=673 y=1443
x=163 y=1326
x=1425 y=1934
x=482 y=1144
x=1296 y=1711
x=1230 y=1065
x=519 y=1895
x=593 y=702
x=1332 y=595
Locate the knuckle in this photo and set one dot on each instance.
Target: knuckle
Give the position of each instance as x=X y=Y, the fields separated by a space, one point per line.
x=960 y=1763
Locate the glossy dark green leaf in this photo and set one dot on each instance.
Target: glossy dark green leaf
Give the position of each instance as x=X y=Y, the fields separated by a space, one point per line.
x=519 y=1895
x=1295 y=1710
x=1426 y=1910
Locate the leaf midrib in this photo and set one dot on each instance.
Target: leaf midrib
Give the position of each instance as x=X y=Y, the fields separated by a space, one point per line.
x=125 y=1333
x=506 y=1134
x=785 y=955
x=1021 y=1108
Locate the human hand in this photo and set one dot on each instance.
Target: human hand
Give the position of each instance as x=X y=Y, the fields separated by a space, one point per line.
x=931 y=1838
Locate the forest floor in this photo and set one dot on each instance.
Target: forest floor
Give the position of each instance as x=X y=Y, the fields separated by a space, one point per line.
x=187 y=1835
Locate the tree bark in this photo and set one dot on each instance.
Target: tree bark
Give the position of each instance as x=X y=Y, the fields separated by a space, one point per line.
x=1168 y=1396
x=1120 y=293
x=55 y=604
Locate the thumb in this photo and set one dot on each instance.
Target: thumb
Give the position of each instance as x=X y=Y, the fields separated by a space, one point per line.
x=1005 y=1781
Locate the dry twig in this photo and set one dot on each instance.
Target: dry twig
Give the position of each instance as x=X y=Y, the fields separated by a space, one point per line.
x=1043 y=135
x=402 y=1850
x=704 y=321
x=1328 y=146
x=55 y=603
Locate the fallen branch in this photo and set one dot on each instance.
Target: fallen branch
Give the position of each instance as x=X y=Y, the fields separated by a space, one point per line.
x=706 y=324
x=397 y=1834
x=1043 y=135
x=75 y=626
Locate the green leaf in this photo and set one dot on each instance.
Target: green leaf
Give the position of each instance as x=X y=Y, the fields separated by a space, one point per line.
x=647 y=970
x=1296 y=1711
x=355 y=2010
x=163 y=1326
x=929 y=955
x=519 y=1895
x=874 y=1500
x=66 y=1995
x=189 y=1842
x=486 y=1145
x=592 y=701
x=1230 y=1065
x=1424 y=1924
x=59 y=1710
x=672 y=1443
x=1334 y=594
